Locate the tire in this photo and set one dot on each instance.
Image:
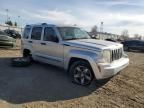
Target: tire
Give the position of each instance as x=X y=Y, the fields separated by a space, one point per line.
x=81 y=73
x=27 y=55
x=21 y=61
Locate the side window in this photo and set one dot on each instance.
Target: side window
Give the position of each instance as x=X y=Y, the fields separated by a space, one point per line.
x=49 y=34
x=26 y=33
x=134 y=43
x=141 y=43
x=36 y=33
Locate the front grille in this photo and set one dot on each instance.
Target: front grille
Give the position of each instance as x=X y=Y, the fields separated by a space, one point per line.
x=116 y=54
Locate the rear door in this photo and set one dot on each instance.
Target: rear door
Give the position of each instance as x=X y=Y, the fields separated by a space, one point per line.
x=25 y=38
x=36 y=36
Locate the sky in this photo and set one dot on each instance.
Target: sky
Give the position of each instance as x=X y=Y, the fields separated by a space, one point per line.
x=116 y=15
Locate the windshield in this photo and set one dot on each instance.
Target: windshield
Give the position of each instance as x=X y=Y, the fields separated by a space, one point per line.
x=72 y=33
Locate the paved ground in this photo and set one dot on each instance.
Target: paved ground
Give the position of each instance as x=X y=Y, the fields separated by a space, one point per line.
x=45 y=86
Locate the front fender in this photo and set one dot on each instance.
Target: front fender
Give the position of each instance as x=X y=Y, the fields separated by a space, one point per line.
x=91 y=57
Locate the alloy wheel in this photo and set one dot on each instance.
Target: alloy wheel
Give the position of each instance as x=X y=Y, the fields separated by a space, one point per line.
x=82 y=75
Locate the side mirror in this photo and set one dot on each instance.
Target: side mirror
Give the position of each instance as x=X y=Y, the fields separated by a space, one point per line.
x=56 y=39
x=93 y=37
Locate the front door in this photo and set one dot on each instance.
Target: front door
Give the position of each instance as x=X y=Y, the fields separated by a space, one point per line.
x=51 y=49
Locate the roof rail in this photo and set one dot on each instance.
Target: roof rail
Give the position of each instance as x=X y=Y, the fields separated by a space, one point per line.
x=27 y=25
x=44 y=24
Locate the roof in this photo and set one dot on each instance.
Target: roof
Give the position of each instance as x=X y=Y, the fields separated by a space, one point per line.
x=53 y=25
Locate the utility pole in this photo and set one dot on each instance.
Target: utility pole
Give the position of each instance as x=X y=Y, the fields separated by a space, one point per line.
x=18 y=20
x=20 y=26
x=101 y=29
x=7 y=14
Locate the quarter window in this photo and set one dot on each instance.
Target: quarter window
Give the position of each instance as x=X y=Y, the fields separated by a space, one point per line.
x=36 y=33
x=26 y=33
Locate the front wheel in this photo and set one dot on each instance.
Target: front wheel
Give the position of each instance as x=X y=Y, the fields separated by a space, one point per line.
x=81 y=73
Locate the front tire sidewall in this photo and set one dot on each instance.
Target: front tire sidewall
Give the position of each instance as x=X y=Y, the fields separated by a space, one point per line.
x=84 y=64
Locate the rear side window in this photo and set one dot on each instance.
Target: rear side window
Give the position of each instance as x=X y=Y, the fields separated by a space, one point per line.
x=129 y=42
x=26 y=33
x=36 y=33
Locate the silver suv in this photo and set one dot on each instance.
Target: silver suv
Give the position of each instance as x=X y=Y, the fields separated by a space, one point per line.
x=73 y=49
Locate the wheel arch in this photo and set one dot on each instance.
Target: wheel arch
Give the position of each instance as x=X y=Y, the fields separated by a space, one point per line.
x=26 y=52
x=87 y=56
x=74 y=59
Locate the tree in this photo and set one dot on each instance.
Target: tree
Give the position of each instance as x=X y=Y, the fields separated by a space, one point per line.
x=15 y=24
x=94 y=30
x=9 y=23
x=137 y=36
x=125 y=34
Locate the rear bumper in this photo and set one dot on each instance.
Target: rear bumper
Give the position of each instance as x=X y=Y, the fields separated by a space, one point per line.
x=109 y=70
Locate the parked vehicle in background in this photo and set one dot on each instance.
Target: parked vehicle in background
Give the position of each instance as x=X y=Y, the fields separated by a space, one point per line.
x=73 y=49
x=6 y=41
x=133 y=45
x=13 y=33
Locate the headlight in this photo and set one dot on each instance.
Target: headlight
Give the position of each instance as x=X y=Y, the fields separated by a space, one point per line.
x=106 y=56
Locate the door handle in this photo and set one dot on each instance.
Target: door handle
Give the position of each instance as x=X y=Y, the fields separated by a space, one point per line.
x=43 y=43
x=30 y=41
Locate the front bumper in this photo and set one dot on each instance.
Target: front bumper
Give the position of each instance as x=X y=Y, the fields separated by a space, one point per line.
x=109 y=70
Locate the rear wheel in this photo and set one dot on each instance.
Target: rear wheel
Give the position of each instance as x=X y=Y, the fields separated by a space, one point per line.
x=27 y=54
x=81 y=73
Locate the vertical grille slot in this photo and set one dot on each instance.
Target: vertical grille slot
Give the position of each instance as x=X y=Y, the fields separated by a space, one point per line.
x=116 y=54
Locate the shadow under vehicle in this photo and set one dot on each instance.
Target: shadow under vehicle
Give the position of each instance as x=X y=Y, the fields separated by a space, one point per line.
x=40 y=82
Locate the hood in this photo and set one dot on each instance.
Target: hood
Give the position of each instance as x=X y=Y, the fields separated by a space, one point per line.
x=93 y=44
